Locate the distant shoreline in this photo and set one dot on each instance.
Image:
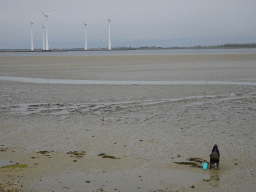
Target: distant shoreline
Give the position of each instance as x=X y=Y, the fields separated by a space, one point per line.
x=120 y=49
x=224 y=46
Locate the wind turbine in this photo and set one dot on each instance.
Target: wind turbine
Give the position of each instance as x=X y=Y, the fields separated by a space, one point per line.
x=85 y=37
x=32 y=40
x=46 y=29
x=109 y=41
x=43 y=36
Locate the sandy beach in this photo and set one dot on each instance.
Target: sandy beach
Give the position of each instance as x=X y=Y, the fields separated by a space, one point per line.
x=117 y=137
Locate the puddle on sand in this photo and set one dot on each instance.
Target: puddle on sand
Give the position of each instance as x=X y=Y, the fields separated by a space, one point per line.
x=140 y=179
x=4 y=163
x=102 y=82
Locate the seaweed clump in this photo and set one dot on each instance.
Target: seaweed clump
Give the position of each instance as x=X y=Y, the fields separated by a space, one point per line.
x=15 y=166
x=43 y=152
x=187 y=163
x=103 y=155
x=194 y=162
x=77 y=154
x=3 y=149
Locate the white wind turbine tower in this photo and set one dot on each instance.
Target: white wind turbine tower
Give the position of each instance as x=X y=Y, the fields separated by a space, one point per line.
x=43 y=37
x=32 y=40
x=109 y=41
x=85 y=37
x=46 y=29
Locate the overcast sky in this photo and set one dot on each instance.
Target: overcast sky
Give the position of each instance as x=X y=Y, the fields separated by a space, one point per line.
x=135 y=23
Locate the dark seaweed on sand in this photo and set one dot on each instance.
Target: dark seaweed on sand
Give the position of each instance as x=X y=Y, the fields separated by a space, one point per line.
x=77 y=153
x=43 y=152
x=103 y=155
x=3 y=149
x=194 y=162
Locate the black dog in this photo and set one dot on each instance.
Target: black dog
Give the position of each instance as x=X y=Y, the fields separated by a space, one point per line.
x=214 y=160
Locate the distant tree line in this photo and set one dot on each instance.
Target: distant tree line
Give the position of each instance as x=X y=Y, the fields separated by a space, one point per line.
x=234 y=45
x=238 y=45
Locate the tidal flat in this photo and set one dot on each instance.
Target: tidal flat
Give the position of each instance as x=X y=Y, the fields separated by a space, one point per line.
x=127 y=137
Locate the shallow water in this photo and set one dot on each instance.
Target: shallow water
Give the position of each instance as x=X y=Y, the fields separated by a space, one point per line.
x=140 y=179
x=98 y=82
x=4 y=163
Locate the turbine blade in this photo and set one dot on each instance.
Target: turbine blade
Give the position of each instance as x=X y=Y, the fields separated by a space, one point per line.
x=83 y=21
x=43 y=13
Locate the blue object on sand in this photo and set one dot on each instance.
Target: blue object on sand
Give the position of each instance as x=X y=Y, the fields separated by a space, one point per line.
x=204 y=165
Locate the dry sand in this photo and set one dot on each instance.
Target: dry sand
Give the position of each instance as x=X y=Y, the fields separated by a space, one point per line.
x=146 y=127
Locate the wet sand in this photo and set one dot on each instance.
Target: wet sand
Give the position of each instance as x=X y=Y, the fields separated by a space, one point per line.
x=146 y=127
x=134 y=68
